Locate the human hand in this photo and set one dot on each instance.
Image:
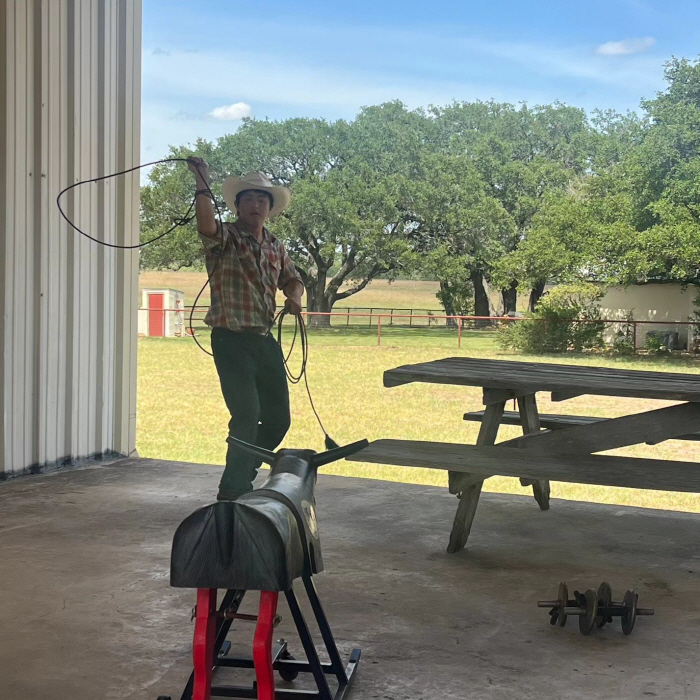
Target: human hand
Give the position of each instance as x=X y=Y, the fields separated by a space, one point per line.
x=200 y=169
x=292 y=305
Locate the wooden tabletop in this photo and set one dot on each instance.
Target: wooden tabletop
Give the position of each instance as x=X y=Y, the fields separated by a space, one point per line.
x=532 y=377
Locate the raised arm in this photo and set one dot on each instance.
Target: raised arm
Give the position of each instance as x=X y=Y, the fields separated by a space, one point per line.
x=204 y=207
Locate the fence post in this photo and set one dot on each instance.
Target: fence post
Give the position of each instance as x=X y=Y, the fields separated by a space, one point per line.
x=410 y=320
x=459 y=337
x=379 y=329
x=391 y=318
x=634 y=337
x=371 y=311
x=347 y=316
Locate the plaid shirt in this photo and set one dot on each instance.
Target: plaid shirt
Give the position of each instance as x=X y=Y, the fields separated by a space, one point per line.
x=245 y=278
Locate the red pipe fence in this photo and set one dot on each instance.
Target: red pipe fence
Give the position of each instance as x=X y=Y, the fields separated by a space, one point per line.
x=459 y=321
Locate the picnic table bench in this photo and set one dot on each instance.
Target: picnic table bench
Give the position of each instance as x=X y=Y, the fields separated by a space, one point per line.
x=556 y=421
x=565 y=449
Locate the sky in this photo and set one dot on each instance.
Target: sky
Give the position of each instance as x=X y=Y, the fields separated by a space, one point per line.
x=209 y=63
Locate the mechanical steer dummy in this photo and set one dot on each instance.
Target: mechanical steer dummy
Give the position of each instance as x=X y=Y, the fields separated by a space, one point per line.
x=263 y=540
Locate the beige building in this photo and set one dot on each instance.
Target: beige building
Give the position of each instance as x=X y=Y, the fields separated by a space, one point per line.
x=69 y=111
x=665 y=304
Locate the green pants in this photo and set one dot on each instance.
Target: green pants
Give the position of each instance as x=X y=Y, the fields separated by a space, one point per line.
x=254 y=385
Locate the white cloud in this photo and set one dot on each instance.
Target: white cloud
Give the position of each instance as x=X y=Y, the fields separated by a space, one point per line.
x=638 y=74
x=626 y=46
x=231 y=112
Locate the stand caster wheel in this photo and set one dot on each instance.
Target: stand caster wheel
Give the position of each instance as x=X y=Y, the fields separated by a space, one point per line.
x=163 y=697
x=286 y=674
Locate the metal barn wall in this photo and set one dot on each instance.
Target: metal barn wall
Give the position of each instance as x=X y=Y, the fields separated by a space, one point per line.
x=69 y=110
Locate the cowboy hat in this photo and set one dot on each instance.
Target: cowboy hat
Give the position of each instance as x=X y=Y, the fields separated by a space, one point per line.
x=255 y=180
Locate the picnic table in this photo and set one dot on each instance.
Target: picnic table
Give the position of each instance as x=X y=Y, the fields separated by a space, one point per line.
x=565 y=449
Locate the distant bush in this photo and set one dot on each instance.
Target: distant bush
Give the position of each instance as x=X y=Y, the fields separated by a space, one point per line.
x=659 y=342
x=623 y=342
x=567 y=318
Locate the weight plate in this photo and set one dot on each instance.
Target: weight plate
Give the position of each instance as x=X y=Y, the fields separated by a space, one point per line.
x=630 y=616
x=604 y=601
x=563 y=599
x=587 y=622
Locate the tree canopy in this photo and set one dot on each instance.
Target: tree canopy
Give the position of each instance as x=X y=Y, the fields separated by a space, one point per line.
x=473 y=194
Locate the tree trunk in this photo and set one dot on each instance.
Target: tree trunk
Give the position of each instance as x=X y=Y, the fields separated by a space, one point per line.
x=317 y=301
x=481 y=298
x=325 y=306
x=510 y=299
x=447 y=302
x=535 y=295
x=321 y=294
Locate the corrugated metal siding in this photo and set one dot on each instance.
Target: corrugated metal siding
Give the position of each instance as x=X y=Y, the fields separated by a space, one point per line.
x=69 y=110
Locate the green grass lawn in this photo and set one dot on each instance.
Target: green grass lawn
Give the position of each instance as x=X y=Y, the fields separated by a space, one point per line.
x=378 y=293
x=181 y=415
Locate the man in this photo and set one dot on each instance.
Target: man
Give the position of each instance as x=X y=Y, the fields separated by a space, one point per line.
x=247 y=266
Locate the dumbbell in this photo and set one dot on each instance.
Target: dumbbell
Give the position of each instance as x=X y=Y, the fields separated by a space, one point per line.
x=594 y=609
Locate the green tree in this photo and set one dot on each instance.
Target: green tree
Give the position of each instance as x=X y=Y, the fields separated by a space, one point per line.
x=458 y=229
x=521 y=155
x=635 y=214
x=665 y=173
x=346 y=213
x=586 y=232
x=474 y=194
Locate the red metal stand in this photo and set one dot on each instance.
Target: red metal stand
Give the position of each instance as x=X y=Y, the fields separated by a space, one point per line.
x=262 y=645
x=203 y=644
x=211 y=649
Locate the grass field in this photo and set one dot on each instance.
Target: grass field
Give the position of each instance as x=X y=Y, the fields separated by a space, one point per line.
x=401 y=294
x=181 y=415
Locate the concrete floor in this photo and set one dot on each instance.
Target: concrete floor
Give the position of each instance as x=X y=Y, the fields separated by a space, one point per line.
x=87 y=612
